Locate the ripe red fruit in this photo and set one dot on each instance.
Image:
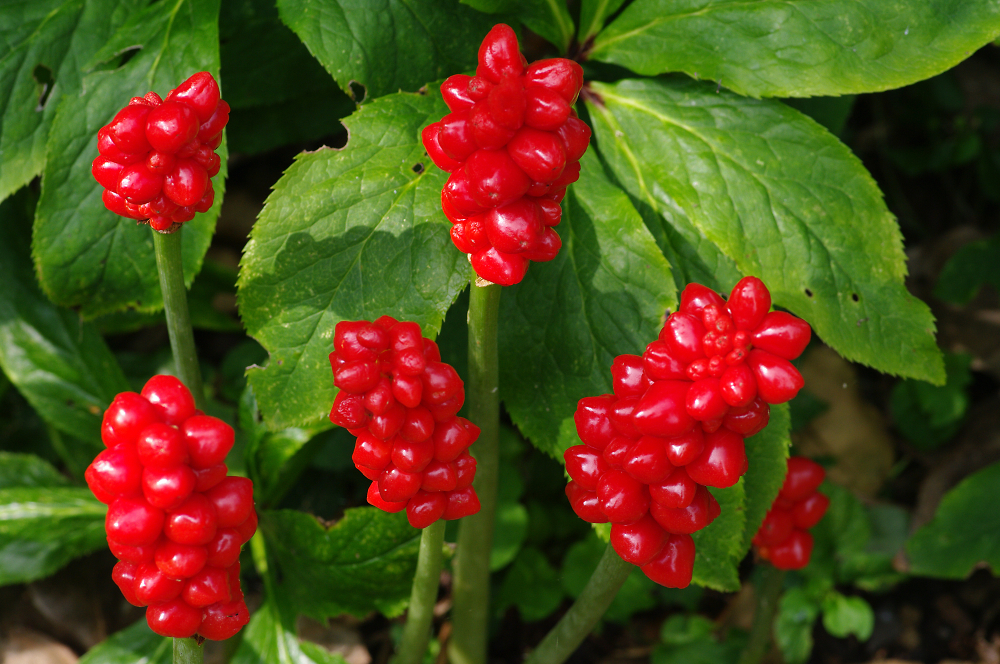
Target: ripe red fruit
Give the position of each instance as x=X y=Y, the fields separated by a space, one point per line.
x=748 y=303
x=685 y=520
x=638 y=542
x=794 y=552
x=133 y=521
x=674 y=565
x=777 y=380
x=174 y=618
x=222 y=620
x=803 y=478
x=722 y=461
x=621 y=497
x=661 y=410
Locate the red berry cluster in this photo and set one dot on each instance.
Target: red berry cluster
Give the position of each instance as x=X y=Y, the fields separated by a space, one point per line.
x=157 y=157
x=783 y=537
x=401 y=402
x=512 y=144
x=676 y=423
x=175 y=521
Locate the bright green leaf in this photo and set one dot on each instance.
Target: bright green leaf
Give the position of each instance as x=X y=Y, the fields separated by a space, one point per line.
x=767 y=454
x=548 y=18
x=43 y=528
x=563 y=325
x=532 y=585
x=844 y=616
x=798 y=48
x=965 y=531
x=270 y=638
x=28 y=470
x=719 y=545
x=781 y=197
x=797 y=611
x=136 y=644
x=364 y=562
x=388 y=45
x=86 y=256
x=42 y=44
x=59 y=363
x=347 y=235
x=593 y=14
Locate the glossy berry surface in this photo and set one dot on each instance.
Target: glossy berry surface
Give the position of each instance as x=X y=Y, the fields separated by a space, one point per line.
x=401 y=403
x=512 y=144
x=157 y=156
x=177 y=532
x=783 y=538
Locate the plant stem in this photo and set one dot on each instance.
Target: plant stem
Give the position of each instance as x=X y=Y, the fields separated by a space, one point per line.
x=417 y=632
x=188 y=651
x=471 y=585
x=597 y=595
x=772 y=581
x=170 y=265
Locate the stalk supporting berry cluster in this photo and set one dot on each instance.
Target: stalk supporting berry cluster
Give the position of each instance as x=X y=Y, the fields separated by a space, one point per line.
x=676 y=423
x=175 y=521
x=157 y=156
x=401 y=402
x=512 y=144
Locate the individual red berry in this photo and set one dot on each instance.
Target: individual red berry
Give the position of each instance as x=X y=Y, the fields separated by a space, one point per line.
x=705 y=400
x=134 y=554
x=585 y=503
x=133 y=522
x=186 y=183
x=683 y=334
x=638 y=542
x=748 y=303
x=749 y=420
x=456 y=137
x=193 y=523
x=115 y=472
x=777 y=380
x=180 y=561
x=210 y=132
x=425 y=508
x=233 y=501
x=540 y=154
x=171 y=399
x=585 y=465
x=782 y=334
x=486 y=131
x=455 y=92
x=794 y=552
x=152 y=586
x=500 y=268
x=621 y=497
x=722 y=461
x=702 y=510
x=738 y=385
x=222 y=620
x=372 y=452
x=439 y=476
x=167 y=488
x=659 y=364
x=499 y=55
x=506 y=102
x=661 y=410
x=208 y=439
x=200 y=92
x=356 y=376
x=107 y=172
x=808 y=512
x=161 y=446
x=396 y=485
x=621 y=417
x=412 y=457
x=248 y=527
x=674 y=565
x=648 y=461
x=128 y=129
x=224 y=549
x=174 y=618
x=206 y=478
x=560 y=75
x=803 y=478
x=683 y=449
x=677 y=490
x=461 y=503
x=125 y=418
x=695 y=297
x=775 y=528
x=123 y=574
x=495 y=178
x=515 y=227
x=628 y=377
x=171 y=125
x=618 y=452
x=375 y=499
x=208 y=586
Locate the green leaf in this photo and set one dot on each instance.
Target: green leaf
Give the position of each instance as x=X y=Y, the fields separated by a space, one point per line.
x=347 y=235
x=364 y=562
x=43 y=43
x=547 y=18
x=86 y=256
x=767 y=454
x=719 y=545
x=510 y=525
x=532 y=585
x=973 y=265
x=270 y=638
x=844 y=616
x=60 y=364
x=781 y=197
x=593 y=14
x=28 y=470
x=43 y=528
x=930 y=415
x=388 y=45
x=797 y=611
x=563 y=325
x=690 y=639
x=136 y=644
x=798 y=48
x=965 y=531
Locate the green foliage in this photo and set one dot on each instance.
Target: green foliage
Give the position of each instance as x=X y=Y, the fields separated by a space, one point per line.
x=532 y=585
x=636 y=594
x=134 y=644
x=691 y=639
x=844 y=616
x=798 y=48
x=797 y=611
x=963 y=534
x=784 y=200
x=547 y=18
x=930 y=415
x=270 y=638
x=362 y=563
x=973 y=265
x=347 y=234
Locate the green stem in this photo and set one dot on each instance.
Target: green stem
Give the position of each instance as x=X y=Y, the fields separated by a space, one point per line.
x=188 y=651
x=417 y=632
x=471 y=585
x=170 y=265
x=588 y=608
x=768 y=593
